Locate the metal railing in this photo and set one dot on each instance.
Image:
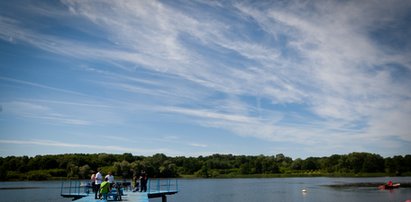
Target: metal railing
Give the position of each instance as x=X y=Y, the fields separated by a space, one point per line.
x=162 y=185
x=75 y=188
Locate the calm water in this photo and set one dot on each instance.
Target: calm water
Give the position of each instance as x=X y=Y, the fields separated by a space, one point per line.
x=238 y=190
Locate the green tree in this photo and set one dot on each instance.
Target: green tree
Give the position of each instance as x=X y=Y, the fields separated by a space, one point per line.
x=84 y=171
x=297 y=164
x=3 y=170
x=310 y=163
x=168 y=169
x=245 y=168
x=123 y=169
x=72 y=170
x=331 y=164
x=203 y=172
x=373 y=163
x=356 y=161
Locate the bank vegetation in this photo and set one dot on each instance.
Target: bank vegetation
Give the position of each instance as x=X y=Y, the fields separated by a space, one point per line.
x=80 y=166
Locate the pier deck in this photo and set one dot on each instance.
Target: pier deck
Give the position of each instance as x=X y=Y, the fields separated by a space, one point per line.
x=131 y=196
x=160 y=188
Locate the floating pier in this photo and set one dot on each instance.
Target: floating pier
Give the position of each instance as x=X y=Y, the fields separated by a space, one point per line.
x=157 y=188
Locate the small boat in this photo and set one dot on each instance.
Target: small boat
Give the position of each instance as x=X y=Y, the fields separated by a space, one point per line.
x=386 y=186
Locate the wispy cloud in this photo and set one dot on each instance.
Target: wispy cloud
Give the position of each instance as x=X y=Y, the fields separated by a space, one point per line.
x=108 y=148
x=42 y=112
x=312 y=73
x=198 y=145
x=210 y=115
x=33 y=84
x=343 y=60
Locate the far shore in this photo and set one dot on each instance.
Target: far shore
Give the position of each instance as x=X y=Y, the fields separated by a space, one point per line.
x=239 y=176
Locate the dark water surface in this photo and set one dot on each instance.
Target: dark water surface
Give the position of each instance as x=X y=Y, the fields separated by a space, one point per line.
x=239 y=190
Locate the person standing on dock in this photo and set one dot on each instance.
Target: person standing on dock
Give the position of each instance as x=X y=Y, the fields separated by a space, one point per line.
x=135 y=183
x=98 y=181
x=143 y=181
x=93 y=181
x=110 y=178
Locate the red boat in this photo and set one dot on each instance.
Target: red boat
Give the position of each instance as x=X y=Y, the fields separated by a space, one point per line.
x=392 y=186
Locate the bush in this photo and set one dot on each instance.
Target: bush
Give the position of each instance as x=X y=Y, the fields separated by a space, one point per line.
x=38 y=175
x=57 y=172
x=13 y=175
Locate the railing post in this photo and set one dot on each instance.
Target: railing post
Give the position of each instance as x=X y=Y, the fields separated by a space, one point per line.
x=70 y=187
x=62 y=185
x=158 y=185
x=168 y=185
x=176 y=184
x=149 y=185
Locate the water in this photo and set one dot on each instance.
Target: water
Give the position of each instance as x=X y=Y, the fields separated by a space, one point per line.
x=31 y=191
x=238 y=190
x=287 y=189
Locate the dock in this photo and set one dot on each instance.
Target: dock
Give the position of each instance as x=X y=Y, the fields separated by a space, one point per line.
x=157 y=188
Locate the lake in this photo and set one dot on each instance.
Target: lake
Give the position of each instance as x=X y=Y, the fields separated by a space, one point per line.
x=238 y=190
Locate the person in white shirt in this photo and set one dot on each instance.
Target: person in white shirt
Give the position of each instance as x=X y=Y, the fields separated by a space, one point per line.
x=99 y=180
x=110 y=178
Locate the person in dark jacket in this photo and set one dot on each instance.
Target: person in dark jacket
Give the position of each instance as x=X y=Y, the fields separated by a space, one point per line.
x=143 y=181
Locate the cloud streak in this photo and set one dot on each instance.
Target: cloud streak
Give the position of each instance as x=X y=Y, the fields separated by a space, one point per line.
x=33 y=84
x=41 y=112
x=309 y=73
x=111 y=148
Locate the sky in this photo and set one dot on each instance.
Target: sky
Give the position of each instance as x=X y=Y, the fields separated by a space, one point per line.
x=190 y=78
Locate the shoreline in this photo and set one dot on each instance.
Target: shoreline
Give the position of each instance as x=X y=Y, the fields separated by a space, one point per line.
x=231 y=176
x=291 y=175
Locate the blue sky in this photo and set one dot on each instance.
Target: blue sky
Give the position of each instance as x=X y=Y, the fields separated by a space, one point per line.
x=302 y=78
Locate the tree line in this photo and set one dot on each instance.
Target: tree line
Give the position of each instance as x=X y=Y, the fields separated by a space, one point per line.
x=80 y=166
